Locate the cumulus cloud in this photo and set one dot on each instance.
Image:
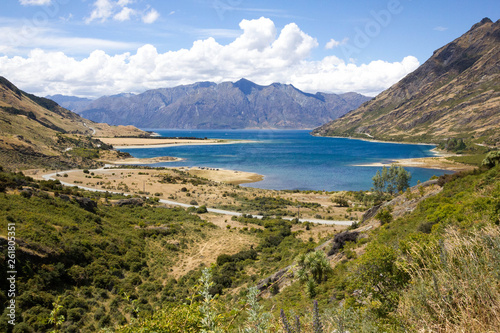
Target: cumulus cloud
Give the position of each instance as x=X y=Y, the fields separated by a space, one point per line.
x=119 y=11
x=124 y=14
x=332 y=43
x=103 y=9
x=261 y=53
x=35 y=2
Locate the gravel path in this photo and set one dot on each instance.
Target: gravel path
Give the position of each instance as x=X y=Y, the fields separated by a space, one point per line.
x=52 y=176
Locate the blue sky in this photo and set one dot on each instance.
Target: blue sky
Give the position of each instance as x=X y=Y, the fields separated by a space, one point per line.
x=96 y=47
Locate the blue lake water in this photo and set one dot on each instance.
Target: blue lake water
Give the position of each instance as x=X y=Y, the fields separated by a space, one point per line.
x=292 y=159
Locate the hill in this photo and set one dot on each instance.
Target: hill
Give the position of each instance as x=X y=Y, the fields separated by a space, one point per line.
x=36 y=131
x=206 y=105
x=454 y=94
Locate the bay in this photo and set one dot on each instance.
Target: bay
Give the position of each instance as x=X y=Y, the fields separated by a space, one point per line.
x=292 y=159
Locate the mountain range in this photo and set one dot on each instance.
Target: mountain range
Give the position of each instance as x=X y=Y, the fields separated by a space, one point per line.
x=454 y=94
x=207 y=105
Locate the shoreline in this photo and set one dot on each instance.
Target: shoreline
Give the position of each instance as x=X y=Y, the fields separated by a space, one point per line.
x=144 y=161
x=139 y=143
x=437 y=163
x=379 y=141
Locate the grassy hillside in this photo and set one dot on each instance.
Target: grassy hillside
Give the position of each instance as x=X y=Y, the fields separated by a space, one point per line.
x=37 y=132
x=107 y=264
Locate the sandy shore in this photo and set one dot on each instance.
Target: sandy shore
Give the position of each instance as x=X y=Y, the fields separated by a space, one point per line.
x=225 y=176
x=140 y=161
x=380 y=141
x=121 y=143
x=439 y=162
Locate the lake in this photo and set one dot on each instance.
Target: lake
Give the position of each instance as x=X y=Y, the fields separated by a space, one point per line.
x=292 y=159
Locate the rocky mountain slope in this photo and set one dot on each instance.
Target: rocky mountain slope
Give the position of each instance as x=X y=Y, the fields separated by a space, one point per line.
x=454 y=94
x=242 y=104
x=36 y=131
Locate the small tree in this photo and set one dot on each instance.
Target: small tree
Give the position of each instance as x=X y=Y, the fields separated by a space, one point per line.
x=258 y=320
x=55 y=317
x=313 y=269
x=391 y=180
x=209 y=321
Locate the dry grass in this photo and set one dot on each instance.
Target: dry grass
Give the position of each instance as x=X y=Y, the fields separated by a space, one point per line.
x=455 y=284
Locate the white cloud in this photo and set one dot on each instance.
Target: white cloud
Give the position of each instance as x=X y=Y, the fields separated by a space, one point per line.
x=20 y=40
x=35 y=2
x=103 y=9
x=151 y=16
x=440 y=28
x=124 y=14
x=119 y=11
x=334 y=43
x=260 y=53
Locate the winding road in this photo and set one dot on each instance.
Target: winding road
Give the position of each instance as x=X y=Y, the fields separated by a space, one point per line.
x=52 y=176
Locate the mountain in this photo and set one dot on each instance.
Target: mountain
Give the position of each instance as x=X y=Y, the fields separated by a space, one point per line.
x=242 y=104
x=37 y=132
x=69 y=102
x=454 y=94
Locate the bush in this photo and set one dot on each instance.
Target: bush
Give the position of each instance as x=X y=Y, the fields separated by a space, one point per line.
x=340 y=240
x=492 y=159
x=384 y=215
x=341 y=201
x=202 y=210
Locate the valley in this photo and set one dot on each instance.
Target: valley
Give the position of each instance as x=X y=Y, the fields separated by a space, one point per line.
x=224 y=213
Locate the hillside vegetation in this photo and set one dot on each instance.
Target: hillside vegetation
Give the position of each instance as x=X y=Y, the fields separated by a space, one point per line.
x=106 y=263
x=434 y=269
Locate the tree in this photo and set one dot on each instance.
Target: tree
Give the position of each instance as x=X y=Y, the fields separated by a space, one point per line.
x=314 y=264
x=313 y=269
x=391 y=180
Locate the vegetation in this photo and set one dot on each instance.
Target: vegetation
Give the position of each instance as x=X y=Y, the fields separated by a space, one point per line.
x=265 y=205
x=88 y=264
x=394 y=179
x=492 y=159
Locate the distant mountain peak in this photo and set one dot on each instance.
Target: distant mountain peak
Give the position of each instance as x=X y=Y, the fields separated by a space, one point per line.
x=484 y=21
x=246 y=86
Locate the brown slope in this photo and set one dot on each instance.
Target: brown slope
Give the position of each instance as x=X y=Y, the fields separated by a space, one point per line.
x=37 y=132
x=456 y=93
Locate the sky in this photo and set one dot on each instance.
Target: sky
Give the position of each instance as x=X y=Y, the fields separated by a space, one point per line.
x=91 y=48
